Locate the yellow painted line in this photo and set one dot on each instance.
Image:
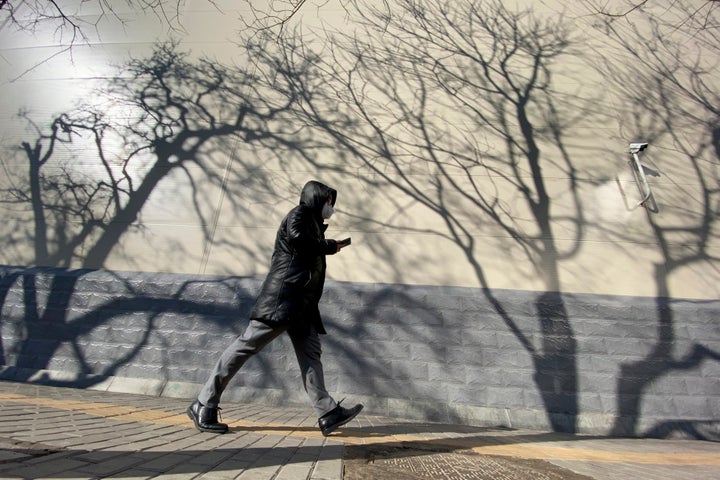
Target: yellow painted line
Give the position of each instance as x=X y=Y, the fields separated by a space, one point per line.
x=545 y=452
x=535 y=451
x=104 y=410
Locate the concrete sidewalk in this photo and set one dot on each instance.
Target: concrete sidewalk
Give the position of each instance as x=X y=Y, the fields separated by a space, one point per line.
x=51 y=432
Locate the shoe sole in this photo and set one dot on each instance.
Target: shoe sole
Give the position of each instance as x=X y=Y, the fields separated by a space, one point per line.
x=191 y=415
x=330 y=430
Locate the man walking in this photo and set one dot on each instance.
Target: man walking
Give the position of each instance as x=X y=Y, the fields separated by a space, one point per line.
x=288 y=302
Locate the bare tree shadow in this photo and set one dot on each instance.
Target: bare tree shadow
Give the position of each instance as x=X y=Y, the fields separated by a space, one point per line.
x=672 y=102
x=483 y=114
x=62 y=325
x=555 y=368
x=93 y=171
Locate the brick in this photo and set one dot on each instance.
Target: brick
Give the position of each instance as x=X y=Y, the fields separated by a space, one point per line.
x=687 y=406
x=596 y=382
x=426 y=353
x=668 y=386
x=406 y=370
x=441 y=373
x=507 y=397
x=628 y=348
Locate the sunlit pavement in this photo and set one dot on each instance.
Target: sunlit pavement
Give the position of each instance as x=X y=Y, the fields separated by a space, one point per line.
x=52 y=432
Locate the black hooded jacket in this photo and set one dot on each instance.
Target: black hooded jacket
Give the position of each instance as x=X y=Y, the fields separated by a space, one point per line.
x=292 y=289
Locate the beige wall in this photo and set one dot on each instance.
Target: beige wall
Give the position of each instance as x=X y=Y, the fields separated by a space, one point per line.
x=220 y=217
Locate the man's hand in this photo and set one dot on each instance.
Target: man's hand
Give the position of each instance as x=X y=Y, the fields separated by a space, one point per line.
x=342 y=243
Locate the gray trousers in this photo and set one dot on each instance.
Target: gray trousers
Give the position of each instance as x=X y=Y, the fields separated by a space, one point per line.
x=256 y=336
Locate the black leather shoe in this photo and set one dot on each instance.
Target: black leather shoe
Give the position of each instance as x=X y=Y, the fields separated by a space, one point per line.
x=205 y=418
x=337 y=417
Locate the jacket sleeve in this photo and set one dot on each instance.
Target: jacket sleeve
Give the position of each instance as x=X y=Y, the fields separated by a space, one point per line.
x=304 y=235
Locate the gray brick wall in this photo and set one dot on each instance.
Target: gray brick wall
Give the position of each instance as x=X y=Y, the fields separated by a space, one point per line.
x=584 y=363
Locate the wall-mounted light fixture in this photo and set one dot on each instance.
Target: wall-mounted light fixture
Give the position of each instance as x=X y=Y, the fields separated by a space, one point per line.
x=639 y=172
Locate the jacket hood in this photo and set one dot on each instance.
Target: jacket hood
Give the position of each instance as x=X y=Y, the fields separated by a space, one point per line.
x=314 y=195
